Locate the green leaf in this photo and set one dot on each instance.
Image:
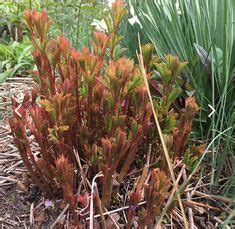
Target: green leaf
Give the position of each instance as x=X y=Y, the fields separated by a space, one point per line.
x=49 y=107
x=83 y=91
x=63 y=128
x=176 y=91
x=53 y=136
x=118 y=51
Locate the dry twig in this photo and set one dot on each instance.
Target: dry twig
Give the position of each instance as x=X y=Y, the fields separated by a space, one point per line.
x=141 y=62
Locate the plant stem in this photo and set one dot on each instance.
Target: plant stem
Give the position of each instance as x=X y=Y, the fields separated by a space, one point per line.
x=140 y=57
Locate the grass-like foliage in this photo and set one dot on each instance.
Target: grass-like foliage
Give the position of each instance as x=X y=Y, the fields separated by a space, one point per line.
x=92 y=106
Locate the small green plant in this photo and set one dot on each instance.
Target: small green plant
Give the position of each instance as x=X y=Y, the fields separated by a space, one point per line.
x=15 y=59
x=154 y=192
x=175 y=112
x=192 y=155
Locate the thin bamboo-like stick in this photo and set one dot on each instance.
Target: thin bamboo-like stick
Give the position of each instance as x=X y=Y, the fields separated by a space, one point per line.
x=141 y=62
x=99 y=204
x=190 y=210
x=92 y=200
x=81 y=169
x=115 y=210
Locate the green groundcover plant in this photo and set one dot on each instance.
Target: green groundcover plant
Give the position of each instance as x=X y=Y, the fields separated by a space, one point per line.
x=15 y=59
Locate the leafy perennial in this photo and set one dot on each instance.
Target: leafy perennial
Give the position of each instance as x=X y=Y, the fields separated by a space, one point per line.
x=92 y=104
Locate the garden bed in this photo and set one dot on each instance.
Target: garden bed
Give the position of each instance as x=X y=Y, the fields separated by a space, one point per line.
x=22 y=204
x=116 y=134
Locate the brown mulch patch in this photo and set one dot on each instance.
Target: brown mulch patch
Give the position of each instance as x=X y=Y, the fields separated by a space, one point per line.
x=14 y=209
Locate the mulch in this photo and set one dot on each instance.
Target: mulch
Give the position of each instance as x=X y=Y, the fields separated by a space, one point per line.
x=16 y=194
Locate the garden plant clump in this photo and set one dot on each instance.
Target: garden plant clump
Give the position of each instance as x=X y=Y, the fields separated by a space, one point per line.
x=90 y=114
x=192 y=31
